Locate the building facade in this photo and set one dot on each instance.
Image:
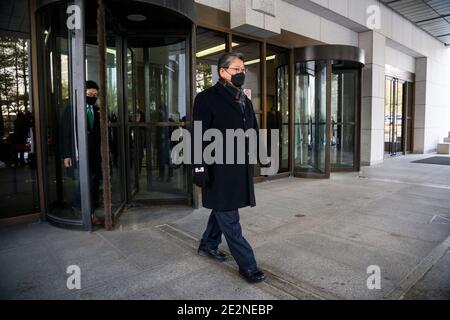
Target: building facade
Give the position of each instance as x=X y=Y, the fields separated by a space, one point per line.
x=347 y=83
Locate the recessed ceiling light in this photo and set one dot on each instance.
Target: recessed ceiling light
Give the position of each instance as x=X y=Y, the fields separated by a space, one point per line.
x=220 y=47
x=136 y=17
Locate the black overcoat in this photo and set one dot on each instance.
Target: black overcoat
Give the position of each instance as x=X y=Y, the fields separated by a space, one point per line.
x=230 y=186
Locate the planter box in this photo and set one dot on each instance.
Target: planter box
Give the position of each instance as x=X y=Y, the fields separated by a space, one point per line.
x=443 y=148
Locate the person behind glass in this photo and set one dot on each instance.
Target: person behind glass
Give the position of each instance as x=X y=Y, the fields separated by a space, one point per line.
x=227 y=187
x=93 y=148
x=163 y=134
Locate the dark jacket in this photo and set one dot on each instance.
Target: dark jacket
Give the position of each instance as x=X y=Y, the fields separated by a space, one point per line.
x=230 y=185
x=67 y=141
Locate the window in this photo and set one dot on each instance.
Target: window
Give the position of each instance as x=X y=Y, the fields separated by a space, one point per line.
x=210 y=45
x=251 y=51
x=278 y=100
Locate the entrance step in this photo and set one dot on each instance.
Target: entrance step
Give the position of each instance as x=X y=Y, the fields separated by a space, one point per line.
x=443 y=148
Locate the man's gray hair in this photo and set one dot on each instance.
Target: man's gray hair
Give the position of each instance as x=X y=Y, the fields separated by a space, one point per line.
x=226 y=59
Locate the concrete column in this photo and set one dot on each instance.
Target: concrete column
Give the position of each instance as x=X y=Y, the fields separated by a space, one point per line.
x=420 y=101
x=372 y=106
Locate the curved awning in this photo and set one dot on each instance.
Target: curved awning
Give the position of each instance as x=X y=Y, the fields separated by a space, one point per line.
x=330 y=52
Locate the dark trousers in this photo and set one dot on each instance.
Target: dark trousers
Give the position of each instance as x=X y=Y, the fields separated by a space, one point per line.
x=227 y=222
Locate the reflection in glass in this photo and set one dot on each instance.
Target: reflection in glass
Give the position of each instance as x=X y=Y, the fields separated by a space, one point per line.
x=58 y=114
x=408 y=118
x=210 y=45
x=18 y=192
x=133 y=115
x=115 y=127
x=160 y=86
x=393 y=116
x=387 y=115
x=252 y=55
x=399 y=118
x=278 y=100
x=310 y=117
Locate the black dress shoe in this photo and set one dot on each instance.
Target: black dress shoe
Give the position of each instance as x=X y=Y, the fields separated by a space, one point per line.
x=252 y=276
x=214 y=254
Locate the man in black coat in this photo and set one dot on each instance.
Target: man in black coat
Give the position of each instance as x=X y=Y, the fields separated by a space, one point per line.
x=228 y=186
x=68 y=146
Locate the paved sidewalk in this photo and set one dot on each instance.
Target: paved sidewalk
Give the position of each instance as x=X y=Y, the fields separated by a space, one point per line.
x=314 y=238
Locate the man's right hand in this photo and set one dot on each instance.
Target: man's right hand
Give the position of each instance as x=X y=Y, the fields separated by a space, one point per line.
x=67 y=162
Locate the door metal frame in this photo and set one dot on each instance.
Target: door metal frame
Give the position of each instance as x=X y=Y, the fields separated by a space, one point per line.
x=112 y=27
x=78 y=73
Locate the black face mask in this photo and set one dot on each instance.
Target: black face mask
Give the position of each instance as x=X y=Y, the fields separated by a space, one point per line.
x=238 y=79
x=91 y=100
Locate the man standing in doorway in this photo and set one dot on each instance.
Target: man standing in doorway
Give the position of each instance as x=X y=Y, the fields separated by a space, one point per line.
x=227 y=187
x=93 y=148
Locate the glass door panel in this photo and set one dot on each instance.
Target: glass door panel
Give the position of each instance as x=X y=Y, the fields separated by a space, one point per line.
x=388 y=116
x=343 y=118
x=409 y=117
x=397 y=117
x=311 y=121
x=114 y=107
x=277 y=100
x=132 y=115
x=58 y=123
x=160 y=108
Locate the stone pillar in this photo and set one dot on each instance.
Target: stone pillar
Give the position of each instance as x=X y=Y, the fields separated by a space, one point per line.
x=372 y=106
x=420 y=101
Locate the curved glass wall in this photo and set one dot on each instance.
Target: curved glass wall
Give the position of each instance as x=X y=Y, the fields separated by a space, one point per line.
x=58 y=113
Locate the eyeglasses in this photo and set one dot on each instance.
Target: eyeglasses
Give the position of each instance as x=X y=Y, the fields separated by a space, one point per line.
x=239 y=70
